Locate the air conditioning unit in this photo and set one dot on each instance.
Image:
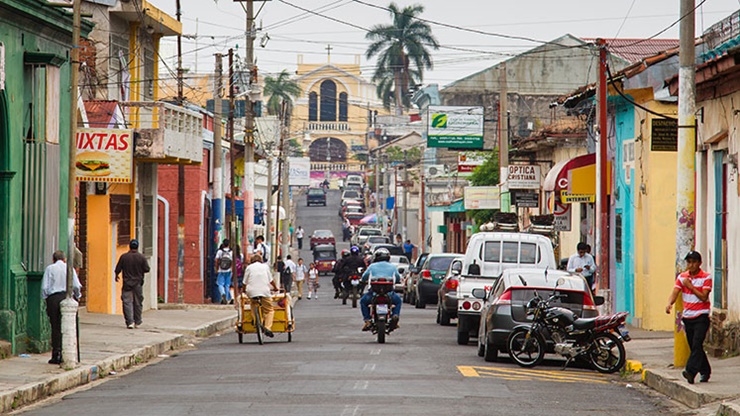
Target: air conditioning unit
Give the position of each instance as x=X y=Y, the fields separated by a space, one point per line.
x=433 y=171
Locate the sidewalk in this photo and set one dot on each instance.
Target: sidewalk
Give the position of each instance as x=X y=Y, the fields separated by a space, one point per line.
x=652 y=353
x=107 y=346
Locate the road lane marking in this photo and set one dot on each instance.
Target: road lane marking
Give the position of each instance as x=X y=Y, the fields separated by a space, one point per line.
x=361 y=385
x=532 y=374
x=350 y=410
x=369 y=367
x=375 y=352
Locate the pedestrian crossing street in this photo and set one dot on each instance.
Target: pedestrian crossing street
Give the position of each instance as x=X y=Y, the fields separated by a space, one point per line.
x=526 y=374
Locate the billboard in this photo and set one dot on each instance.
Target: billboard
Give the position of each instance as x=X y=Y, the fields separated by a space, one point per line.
x=455 y=127
x=468 y=161
x=299 y=171
x=482 y=197
x=104 y=155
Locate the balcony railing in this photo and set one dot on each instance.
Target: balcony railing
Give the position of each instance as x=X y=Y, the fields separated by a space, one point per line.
x=165 y=133
x=328 y=126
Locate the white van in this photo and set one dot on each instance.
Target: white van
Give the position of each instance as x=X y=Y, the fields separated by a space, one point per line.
x=488 y=254
x=353 y=180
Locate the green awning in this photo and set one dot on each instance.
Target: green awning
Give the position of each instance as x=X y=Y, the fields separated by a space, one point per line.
x=457 y=206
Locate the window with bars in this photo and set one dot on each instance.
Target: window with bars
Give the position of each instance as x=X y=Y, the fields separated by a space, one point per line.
x=120 y=213
x=313 y=106
x=618 y=237
x=118 y=68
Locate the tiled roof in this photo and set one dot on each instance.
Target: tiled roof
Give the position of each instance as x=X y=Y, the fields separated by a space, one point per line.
x=101 y=113
x=635 y=50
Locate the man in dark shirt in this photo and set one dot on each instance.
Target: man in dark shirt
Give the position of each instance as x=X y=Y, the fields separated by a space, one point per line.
x=133 y=265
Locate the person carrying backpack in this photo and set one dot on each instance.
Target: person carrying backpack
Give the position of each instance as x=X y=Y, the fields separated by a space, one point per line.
x=288 y=274
x=224 y=259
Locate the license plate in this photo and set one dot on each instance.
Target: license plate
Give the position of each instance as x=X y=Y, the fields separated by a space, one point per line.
x=381 y=309
x=355 y=282
x=625 y=333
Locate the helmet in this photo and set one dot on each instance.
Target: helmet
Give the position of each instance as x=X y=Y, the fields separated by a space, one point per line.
x=354 y=250
x=345 y=253
x=381 y=254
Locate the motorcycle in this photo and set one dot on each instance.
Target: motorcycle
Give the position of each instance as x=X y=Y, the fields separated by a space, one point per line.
x=381 y=307
x=599 y=340
x=352 y=287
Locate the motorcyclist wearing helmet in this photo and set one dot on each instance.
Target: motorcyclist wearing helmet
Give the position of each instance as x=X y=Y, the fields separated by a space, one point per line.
x=352 y=265
x=338 y=270
x=381 y=267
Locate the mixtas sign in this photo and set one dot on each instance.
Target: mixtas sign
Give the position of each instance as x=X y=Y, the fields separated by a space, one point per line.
x=104 y=155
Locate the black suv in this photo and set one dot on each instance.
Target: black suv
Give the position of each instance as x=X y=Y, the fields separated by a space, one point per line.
x=315 y=196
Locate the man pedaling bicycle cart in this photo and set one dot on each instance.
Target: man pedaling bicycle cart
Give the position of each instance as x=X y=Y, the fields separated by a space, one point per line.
x=259 y=285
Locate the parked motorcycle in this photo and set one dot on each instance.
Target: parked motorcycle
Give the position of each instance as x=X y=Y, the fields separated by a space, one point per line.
x=352 y=287
x=381 y=307
x=599 y=340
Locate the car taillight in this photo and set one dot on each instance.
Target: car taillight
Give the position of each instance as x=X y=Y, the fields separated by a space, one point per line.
x=466 y=305
x=476 y=306
x=588 y=302
x=451 y=284
x=504 y=299
x=426 y=274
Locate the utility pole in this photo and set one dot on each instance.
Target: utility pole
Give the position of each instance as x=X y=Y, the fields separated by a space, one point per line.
x=281 y=194
x=268 y=222
x=249 y=129
x=422 y=203
x=686 y=168
x=286 y=195
x=377 y=188
x=218 y=190
x=404 y=227
x=233 y=237
x=602 y=206
x=180 y=183
x=503 y=138
x=69 y=304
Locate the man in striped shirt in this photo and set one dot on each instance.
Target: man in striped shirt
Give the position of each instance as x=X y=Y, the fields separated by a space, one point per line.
x=694 y=285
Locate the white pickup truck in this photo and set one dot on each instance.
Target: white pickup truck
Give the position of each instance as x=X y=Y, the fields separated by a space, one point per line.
x=488 y=254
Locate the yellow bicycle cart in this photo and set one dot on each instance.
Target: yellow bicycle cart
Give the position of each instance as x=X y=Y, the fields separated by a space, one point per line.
x=246 y=322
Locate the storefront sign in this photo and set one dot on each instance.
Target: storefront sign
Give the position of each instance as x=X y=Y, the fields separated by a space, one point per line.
x=104 y=155
x=562 y=221
x=664 y=135
x=300 y=171
x=567 y=198
x=455 y=127
x=482 y=197
x=468 y=161
x=526 y=199
x=523 y=177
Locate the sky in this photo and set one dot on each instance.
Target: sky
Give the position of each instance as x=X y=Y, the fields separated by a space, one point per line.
x=214 y=26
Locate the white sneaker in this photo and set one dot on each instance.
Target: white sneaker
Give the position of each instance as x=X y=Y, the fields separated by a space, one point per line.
x=308 y=297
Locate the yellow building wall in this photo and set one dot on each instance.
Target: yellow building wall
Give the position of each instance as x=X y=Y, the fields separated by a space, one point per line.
x=655 y=223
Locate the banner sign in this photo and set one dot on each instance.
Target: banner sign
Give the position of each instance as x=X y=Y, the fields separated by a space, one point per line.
x=104 y=155
x=455 y=127
x=468 y=161
x=299 y=171
x=482 y=197
x=523 y=177
x=567 y=198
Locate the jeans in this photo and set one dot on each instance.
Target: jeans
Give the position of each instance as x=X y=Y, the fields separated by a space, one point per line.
x=368 y=296
x=132 y=300
x=223 y=280
x=696 y=331
x=300 y=243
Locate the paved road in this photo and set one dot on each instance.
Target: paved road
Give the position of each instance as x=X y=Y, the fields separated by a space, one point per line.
x=332 y=368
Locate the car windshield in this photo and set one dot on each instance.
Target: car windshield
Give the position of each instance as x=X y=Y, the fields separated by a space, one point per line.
x=324 y=254
x=322 y=233
x=353 y=208
x=371 y=231
x=376 y=239
x=350 y=194
x=399 y=259
x=439 y=263
x=315 y=191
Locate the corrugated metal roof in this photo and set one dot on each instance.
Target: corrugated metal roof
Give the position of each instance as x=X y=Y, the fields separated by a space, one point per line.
x=635 y=50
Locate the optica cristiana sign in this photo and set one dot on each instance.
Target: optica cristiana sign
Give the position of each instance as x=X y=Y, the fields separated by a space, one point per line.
x=455 y=127
x=523 y=177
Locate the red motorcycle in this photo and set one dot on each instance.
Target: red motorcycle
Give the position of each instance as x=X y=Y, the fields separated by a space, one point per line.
x=381 y=307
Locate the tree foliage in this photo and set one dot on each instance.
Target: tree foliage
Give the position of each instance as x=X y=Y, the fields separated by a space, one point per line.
x=402 y=49
x=280 y=89
x=486 y=174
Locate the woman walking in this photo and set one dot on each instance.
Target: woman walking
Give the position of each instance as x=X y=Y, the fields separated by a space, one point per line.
x=313 y=281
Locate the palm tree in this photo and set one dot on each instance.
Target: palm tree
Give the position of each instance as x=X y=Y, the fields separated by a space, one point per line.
x=280 y=89
x=398 y=45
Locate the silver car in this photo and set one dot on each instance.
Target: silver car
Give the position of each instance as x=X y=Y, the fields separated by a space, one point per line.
x=402 y=264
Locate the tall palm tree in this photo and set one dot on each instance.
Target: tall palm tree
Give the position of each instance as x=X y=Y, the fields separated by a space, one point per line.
x=404 y=42
x=280 y=89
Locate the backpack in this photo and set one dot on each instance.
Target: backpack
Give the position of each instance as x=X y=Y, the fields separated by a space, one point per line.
x=224 y=262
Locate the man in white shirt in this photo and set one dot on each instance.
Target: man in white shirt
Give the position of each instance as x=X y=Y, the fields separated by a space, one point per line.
x=259 y=284
x=261 y=248
x=300 y=276
x=583 y=263
x=299 y=233
x=54 y=290
x=224 y=258
x=288 y=275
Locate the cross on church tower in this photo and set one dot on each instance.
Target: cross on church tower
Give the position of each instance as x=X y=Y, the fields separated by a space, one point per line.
x=328 y=53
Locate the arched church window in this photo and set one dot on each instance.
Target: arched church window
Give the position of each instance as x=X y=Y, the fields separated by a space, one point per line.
x=328 y=101
x=343 y=106
x=313 y=106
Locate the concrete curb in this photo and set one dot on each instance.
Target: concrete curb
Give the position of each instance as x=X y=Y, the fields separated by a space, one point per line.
x=677 y=389
x=58 y=383
x=729 y=409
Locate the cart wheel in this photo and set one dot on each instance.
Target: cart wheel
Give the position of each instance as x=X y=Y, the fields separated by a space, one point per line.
x=241 y=338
